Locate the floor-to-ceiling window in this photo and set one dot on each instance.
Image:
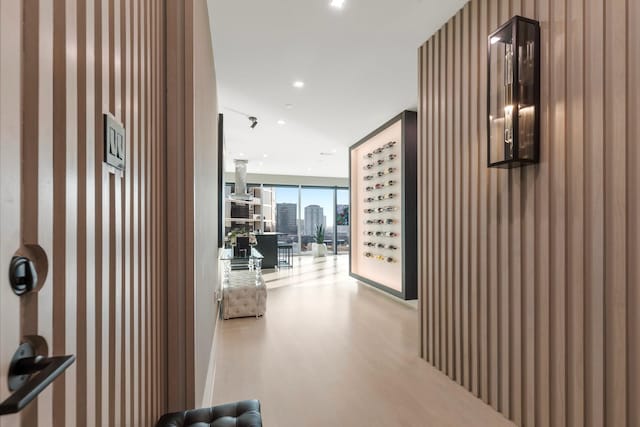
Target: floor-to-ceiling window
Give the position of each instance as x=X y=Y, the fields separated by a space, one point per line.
x=317 y=209
x=343 y=216
x=286 y=199
x=295 y=212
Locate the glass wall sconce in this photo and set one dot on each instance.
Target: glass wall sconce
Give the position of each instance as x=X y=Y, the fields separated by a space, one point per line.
x=513 y=95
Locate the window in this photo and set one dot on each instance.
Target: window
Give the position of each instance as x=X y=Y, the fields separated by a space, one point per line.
x=287 y=215
x=317 y=210
x=343 y=216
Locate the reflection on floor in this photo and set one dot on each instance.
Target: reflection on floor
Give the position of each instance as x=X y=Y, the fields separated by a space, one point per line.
x=332 y=352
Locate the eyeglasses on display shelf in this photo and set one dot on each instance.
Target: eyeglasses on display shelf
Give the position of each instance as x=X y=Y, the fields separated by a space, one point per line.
x=386 y=209
x=369 y=177
x=386 y=234
x=386 y=196
x=388 y=171
x=374 y=221
x=389 y=144
x=379 y=257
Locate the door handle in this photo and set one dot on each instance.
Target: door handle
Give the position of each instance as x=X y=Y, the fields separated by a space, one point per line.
x=29 y=375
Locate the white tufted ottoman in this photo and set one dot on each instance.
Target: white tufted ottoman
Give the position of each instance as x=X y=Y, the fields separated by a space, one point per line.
x=243 y=295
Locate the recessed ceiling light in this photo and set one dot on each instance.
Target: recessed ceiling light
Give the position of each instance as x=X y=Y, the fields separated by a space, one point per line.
x=288 y=106
x=282 y=122
x=337 y=4
x=298 y=84
x=241 y=154
x=265 y=155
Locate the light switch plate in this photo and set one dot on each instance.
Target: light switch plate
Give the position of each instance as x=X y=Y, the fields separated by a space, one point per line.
x=114 y=143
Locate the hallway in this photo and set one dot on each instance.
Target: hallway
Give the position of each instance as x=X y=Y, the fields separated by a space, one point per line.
x=332 y=352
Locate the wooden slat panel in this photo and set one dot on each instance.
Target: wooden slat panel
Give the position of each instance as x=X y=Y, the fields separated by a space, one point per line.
x=82 y=231
x=493 y=219
x=456 y=198
x=465 y=215
x=437 y=203
x=89 y=418
x=448 y=197
x=10 y=175
x=431 y=200
x=57 y=257
x=106 y=255
x=575 y=211
x=134 y=135
x=71 y=209
x=442 y=200
x=126 y=17
x=422 y=206
x=528 y=277
x=514 y=284
x=557 y=37
x=484 y=230
x=101 y=362
x=474 y=180
x=615 y=220
x=45 y=188
x=503 y=262
x=29 y=304
x=548 y=343
x=633 y=184
x=542 y=250
x=144 y=274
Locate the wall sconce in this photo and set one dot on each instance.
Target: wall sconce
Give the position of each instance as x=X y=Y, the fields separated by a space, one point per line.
x=513 y=94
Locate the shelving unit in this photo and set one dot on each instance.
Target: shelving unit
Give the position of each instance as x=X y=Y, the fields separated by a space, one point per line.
x=382 y=179
x=252 y=215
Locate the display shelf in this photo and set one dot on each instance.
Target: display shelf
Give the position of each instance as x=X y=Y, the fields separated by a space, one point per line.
x=382 y=179
x=255 y=202
x=251 y=215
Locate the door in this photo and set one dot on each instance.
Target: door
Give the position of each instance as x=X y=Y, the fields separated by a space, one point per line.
x=94 y=234
x=28 y=366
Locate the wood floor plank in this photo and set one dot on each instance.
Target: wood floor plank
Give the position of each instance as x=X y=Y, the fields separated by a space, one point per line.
x=349 y=346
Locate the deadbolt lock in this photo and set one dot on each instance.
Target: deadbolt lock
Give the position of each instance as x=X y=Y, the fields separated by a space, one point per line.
x=22 y=275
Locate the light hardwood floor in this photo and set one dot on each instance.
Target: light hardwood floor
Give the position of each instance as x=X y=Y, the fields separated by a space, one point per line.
x=333 y=352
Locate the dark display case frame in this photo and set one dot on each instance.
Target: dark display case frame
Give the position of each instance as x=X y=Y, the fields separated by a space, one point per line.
x=408 y=209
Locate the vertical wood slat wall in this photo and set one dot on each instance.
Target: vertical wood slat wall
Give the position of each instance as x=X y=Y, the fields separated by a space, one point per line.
x=529 y=278
x=102 y=233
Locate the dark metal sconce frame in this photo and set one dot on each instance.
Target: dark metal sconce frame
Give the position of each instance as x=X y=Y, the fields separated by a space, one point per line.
x=517 y=156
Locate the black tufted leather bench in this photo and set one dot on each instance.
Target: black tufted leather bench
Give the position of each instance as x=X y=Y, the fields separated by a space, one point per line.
x=239 y=414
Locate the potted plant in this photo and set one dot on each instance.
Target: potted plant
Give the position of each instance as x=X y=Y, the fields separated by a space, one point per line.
x=319 y=249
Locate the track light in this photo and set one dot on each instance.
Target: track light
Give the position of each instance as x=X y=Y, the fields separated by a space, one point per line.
x=254 y=121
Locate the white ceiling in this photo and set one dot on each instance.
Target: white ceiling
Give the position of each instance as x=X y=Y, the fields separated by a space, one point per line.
x=359 y=65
